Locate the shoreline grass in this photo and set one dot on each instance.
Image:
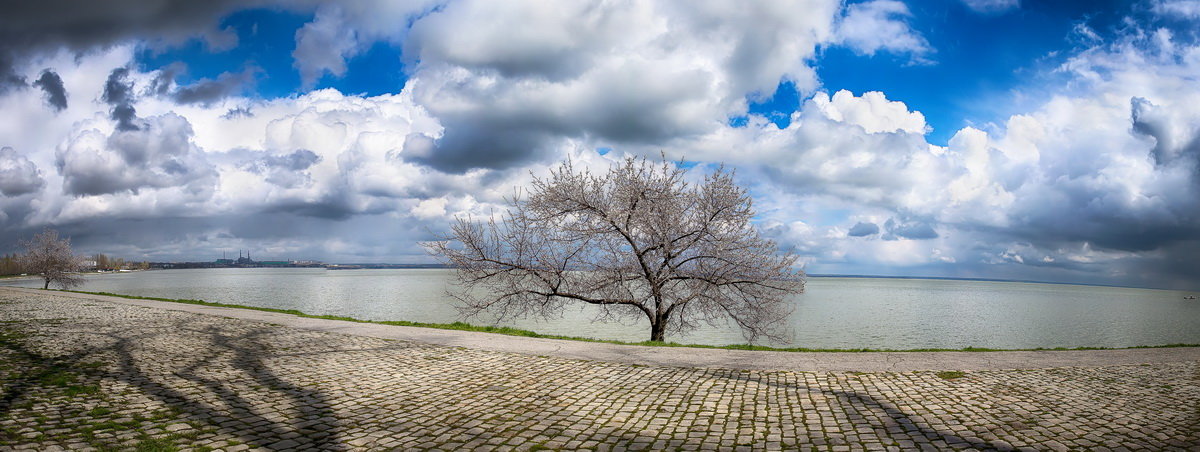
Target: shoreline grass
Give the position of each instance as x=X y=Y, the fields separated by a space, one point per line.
x=463 y=326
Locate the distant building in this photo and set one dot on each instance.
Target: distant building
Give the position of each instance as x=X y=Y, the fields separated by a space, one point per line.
x=224 y=262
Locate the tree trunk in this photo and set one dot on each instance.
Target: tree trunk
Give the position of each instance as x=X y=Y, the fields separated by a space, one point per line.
x=47 y=286
x=657 y=329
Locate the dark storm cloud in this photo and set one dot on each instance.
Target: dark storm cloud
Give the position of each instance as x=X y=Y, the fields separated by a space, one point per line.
x=52 y=84
x=8 y=78
x=1114 y=230
x=861 y=229
x=119 y=93
x=203 y=238
x=472 y=144
x=15 y=213
x=18 y=175
x=329 y=208
x=127 y=237
x=337 y=203
x=204 y=91
x=483 y=135
x=1175 y=268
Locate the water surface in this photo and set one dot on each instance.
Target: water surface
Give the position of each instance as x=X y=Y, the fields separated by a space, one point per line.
x=832 y=313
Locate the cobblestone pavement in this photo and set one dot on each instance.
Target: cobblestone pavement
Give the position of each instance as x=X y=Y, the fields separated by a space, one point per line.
x=80 y=374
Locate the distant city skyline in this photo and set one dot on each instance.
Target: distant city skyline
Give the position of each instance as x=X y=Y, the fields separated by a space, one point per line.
x=995 y=139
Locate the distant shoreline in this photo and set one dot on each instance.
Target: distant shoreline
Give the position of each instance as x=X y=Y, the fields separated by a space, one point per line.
x=957 y=278
x=343 y=267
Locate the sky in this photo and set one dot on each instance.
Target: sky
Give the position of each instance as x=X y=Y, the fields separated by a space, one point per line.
x=1008 y=139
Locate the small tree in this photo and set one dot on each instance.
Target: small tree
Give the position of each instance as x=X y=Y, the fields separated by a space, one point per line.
x=51 y=257
x=637 y=241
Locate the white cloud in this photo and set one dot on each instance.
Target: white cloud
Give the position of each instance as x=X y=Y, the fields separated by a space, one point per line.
x=1189 y=9
x=879 y=26
x=992 y=6
x=1109 y=169
x=158 y=155
x=18 y=175
x=516 y=79
x=342 y=30
x=873 y=111
x=1095 y=180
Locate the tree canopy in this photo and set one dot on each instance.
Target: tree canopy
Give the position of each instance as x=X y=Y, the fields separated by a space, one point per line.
x=52 y=258
x=636 y=241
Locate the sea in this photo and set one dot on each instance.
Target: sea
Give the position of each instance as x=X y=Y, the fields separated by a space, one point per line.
x=833 y=312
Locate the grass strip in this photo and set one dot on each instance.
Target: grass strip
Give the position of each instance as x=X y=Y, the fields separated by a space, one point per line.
x=463 y=326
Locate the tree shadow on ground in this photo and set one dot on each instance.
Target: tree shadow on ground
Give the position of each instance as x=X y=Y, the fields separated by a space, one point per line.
x=895 y=422
x=311 y=418
x=33 y=370
x=309 y=424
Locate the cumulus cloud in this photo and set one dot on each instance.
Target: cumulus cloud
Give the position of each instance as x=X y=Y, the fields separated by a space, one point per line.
x=1095 y=184
x=872 y=111
x=1098 y=182
x=159 y=154
x=511 y=81
x=879 y=25
x=1173 y=136
x=852 y=155
x=18 y=175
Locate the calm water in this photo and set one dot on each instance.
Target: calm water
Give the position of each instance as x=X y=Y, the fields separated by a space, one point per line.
x=832 y=313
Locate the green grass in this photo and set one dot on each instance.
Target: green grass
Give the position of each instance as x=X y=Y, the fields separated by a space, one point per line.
x=75 y=390
x=950 y=374
x=463 y=326
x=155 y=445
x=60 y=378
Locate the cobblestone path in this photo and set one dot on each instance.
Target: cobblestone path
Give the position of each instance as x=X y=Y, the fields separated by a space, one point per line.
x=83 y=374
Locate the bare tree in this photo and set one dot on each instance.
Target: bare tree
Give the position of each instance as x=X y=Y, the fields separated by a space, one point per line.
x=637 y=241
x=51 y=257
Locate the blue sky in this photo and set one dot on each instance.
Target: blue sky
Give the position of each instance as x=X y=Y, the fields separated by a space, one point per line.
x=977 y=138
x=266 y=40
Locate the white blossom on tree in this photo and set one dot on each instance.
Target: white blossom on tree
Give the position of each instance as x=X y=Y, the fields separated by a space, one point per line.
x=637 y=241
x=51 y=258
